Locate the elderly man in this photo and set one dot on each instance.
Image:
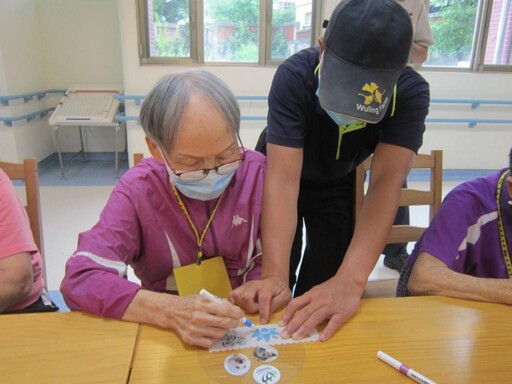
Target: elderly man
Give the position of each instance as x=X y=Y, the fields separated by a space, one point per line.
x=191 y=214
x=465 y=252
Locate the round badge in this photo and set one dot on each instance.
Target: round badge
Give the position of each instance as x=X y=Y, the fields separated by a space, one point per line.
x=266 y=374
x=237 y=364
x=265 y=354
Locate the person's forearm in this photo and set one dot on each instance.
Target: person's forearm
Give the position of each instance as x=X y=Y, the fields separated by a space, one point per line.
x=11 y=294
x=430 y=276
x=390 y=166
x=279 y=214
x=279 y=223
x=16 y=279
x=418 y=53
x=150 y=308
x=370 y=235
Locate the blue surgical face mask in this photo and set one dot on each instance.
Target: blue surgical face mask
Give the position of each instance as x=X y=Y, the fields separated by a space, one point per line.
x=340 y=120
x=206 y=189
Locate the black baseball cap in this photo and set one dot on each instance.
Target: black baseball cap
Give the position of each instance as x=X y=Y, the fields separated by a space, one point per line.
x=367 y=44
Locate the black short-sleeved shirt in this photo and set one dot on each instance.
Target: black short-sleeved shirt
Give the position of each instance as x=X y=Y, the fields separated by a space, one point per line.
x=296 y=119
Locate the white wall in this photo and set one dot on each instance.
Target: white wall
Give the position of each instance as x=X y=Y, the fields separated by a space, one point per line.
x=56 y=43
x=81 y=46
x=21 y=45
x=485 y=146
x=81 y=42
x=482 y=147
x=21 y=71
x=52 y=44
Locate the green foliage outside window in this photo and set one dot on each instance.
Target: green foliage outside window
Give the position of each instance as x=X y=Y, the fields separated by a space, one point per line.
x=242 y=16
x=452 y=23
x=280 y=18
x=172 y=28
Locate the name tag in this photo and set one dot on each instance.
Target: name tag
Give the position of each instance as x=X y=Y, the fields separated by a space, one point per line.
x=211 y=274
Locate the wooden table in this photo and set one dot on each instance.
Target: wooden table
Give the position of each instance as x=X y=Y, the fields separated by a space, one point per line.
x=447 y=340
x=65 y=348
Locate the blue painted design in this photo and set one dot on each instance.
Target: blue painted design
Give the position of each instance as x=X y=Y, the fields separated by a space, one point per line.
x=265 y=334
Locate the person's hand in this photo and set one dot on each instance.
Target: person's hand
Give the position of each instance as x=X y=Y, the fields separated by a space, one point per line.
x=337 y=300
x=200 y=321
x=266 y=296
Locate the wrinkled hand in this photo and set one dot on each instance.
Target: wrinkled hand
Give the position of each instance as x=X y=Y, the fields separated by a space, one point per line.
x=200 y=321
x=266 y=296
x=336 y=299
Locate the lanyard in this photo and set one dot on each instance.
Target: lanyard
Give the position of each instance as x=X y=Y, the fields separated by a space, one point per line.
x=503 y=240
x=198 y=239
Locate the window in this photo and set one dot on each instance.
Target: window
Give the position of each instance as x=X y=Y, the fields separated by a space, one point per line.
x=225 y=31
x=169 y=29
x=471 y=34
x=498 y=39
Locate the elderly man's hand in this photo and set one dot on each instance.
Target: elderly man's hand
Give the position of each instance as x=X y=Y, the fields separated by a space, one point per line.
x=266 y=296
x=200 y=321
x=335 y=300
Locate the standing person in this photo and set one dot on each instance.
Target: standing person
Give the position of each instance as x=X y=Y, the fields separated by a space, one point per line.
x=330 y=107
x=197 y=201
x=422 y=34
x=465 y=251
x=395 y=255
x=21 y=265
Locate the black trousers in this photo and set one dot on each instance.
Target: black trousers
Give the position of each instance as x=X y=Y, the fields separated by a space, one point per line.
x=328 y=217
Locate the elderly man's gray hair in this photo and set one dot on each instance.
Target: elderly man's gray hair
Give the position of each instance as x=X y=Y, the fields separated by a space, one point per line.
x=162 y=109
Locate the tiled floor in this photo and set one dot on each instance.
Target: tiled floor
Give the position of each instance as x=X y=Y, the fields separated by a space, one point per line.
x=72 y=205
x=96 y=169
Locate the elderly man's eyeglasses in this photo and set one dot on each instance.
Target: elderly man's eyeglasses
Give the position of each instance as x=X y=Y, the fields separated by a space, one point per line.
x=200 y=174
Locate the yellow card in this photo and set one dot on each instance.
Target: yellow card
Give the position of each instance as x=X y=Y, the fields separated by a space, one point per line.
x=211 y=275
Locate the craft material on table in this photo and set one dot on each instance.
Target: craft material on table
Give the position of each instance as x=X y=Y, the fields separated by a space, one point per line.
x=266 y=374
x=237 y=364
x=244 y=337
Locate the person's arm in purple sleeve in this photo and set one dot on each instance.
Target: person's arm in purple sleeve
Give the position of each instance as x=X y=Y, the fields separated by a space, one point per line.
x=431 y=276
x=94 y=281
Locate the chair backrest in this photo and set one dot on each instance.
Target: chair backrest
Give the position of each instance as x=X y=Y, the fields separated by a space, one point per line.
x=28 y=172
x=137 y=157
x=432 y=197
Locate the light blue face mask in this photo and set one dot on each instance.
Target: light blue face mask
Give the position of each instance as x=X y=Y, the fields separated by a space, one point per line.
x=340 y=120
x=206 y=189
x=345 y=124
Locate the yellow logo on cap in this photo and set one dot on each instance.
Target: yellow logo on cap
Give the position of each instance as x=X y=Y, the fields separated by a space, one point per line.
x=373 y=93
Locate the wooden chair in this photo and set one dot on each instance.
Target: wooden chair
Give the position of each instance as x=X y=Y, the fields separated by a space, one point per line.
x=430 y=197
x=409 y=197
x=28 y=172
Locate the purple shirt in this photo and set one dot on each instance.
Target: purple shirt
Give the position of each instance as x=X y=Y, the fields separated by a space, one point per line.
x=143 y=226
x=464 y=234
